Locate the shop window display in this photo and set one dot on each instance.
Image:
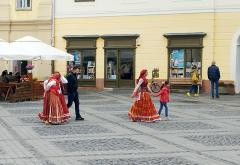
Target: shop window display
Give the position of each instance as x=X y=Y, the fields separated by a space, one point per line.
x=86 y=60
x=182 y=61
x=111 y=65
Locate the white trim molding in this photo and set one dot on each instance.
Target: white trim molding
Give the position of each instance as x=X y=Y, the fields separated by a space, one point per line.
x=235 y=44
x=99 y=8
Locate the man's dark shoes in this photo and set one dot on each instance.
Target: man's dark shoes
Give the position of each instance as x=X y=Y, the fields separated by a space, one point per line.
x=79 y=118
x=217 y=97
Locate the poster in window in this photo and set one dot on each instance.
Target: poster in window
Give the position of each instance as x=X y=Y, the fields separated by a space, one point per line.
x=77 y=59
x=177 y=58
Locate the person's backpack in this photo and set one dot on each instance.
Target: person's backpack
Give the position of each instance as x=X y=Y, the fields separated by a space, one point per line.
x=194 y=77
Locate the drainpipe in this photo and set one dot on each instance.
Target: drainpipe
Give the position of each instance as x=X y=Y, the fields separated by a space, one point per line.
x=53 y=31
x=214 y=28
x=9 y=33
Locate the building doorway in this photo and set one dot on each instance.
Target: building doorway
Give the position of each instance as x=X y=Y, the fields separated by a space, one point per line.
x=119 y=68
x=20 y=66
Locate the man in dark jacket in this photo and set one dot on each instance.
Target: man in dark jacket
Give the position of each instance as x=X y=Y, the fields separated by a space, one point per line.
x=72 y=87
x=214 y=76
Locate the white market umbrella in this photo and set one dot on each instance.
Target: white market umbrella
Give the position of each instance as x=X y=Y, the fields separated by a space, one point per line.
x=39 y=50
x=8 y=52
x=4 y=48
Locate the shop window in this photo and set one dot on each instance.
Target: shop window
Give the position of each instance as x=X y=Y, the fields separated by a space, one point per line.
x=23 y=4
x=86 y=60
x=185 y=51
x=182 y=61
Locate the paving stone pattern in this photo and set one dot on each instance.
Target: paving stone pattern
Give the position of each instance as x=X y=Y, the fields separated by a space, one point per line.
x=70 y=129
x=102 y=145
x=2 y=152
x=216 y=140
x=201 y=131
x=223 y=113
x=165 y=126
x=142 y=161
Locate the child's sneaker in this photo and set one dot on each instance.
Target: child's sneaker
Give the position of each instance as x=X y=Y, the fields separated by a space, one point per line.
x=167 y=118
x=188 y=94
x=196 y=95
x=159 y=119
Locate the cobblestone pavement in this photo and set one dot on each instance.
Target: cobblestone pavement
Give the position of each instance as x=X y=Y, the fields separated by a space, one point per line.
x=201 y=131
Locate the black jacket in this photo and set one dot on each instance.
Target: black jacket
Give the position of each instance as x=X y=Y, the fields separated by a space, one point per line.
x=72 y=84
x=213 y=73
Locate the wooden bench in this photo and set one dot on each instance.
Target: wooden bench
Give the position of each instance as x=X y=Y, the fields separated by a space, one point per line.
x=177 y=84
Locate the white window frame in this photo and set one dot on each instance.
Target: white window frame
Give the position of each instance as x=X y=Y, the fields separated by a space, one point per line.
x=22 y=5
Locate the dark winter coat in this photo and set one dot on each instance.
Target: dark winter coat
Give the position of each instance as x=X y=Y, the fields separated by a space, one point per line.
x=213 y=73
x=72 y=84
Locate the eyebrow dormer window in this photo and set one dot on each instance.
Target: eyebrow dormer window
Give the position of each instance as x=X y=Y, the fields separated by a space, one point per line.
x=24 y=4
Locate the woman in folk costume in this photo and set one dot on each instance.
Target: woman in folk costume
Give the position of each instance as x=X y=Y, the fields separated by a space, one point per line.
x=143 y=108
x=55 y=110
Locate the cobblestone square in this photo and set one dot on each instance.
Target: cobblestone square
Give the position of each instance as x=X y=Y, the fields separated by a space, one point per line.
x=201 y=131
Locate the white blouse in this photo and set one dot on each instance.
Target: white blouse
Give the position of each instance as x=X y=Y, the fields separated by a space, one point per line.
x=47 y=85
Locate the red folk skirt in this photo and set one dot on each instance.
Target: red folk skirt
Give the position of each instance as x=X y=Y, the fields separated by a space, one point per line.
x=143 y=109
x=55 y=110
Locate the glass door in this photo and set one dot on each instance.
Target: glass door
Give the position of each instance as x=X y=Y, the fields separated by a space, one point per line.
x=119 y=68
x=126 y=68
x=111 y=65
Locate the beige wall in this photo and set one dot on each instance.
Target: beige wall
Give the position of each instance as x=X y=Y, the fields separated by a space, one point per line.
x=152 y=51
x=227 y=25
x=35 y=22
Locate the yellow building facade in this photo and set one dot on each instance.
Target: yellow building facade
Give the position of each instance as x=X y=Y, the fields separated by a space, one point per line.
x=19 y=18
x=113 y=42
x=212 y=35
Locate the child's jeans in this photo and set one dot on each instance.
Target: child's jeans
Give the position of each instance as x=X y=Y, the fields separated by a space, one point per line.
x=161 y=107
x=194 y=88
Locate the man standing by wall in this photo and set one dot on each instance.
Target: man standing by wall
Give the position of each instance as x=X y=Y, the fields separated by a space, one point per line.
x=72 y=88
x=214 y=76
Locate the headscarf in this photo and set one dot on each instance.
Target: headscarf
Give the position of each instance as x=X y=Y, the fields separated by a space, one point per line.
x=56 y=76
x=142 y=76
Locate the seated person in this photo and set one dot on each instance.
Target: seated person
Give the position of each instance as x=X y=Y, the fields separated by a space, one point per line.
x=17 y=77
x=10 y=77
x=4 y=77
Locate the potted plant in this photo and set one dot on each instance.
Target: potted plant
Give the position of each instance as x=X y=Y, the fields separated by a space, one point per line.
x=29 y=68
